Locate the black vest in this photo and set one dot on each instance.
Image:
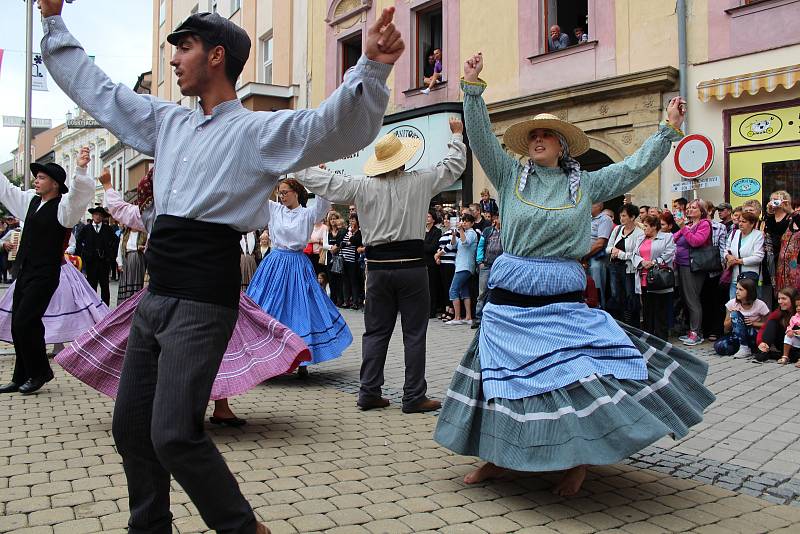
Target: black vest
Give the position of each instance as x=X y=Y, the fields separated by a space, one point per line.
x=41 y=246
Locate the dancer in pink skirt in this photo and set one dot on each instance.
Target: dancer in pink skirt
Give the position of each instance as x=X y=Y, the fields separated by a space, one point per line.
x=260 y=347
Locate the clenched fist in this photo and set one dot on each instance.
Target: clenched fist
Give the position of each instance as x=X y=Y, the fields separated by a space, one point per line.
x=84 y=158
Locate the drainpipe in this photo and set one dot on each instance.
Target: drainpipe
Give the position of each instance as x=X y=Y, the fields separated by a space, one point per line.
x=682 y=56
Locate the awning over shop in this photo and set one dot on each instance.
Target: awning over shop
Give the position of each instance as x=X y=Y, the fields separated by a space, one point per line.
x=752 y=83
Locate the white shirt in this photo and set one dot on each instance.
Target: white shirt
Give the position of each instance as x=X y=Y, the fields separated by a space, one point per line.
x=70 y=210
x=247 y=243
x=391 y=207
x=291 y=229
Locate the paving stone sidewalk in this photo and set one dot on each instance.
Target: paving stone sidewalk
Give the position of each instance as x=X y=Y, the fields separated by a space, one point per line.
x=309 y=461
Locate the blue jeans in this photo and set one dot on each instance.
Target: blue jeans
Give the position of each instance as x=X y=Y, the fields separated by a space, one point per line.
x=459 y=289
x=746 y=334
x=598 y=270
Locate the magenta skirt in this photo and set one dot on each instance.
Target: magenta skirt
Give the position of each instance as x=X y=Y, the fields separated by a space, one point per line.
x=260 y=348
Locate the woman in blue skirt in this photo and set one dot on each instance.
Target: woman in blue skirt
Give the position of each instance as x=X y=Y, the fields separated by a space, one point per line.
x=548 y=383
x=285 y=285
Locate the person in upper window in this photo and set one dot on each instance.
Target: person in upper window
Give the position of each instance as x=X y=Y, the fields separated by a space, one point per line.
x=580 y=35
x=557 y=40
x=436 y=77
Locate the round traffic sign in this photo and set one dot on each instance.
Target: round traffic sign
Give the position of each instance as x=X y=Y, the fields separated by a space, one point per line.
x=694 y=155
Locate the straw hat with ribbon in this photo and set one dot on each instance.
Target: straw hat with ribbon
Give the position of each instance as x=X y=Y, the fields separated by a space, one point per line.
x=516 y=137
x=391 y=152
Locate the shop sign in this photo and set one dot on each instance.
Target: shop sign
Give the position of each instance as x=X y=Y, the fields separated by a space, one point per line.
x=771 y=126
x=746 y=187
x=433 y=130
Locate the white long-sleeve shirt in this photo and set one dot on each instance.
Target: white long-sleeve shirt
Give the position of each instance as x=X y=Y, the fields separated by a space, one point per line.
x=71 y=209
x=391 y=207
x=751 y=253
x=291 y=229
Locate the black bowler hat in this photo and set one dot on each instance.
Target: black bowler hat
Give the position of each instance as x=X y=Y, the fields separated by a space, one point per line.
x=54 y=171
x=217 y=30
x=99 y=209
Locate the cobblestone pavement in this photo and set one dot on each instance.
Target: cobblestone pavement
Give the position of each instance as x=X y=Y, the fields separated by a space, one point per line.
x=309 y=461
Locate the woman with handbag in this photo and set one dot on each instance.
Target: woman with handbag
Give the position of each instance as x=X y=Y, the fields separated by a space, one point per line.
x=624 y=240
x=334 y=263
x=745 y=250
x=655 y=279
x=690 y=242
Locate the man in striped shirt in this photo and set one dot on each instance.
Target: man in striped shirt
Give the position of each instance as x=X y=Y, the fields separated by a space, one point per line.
x=210 y=161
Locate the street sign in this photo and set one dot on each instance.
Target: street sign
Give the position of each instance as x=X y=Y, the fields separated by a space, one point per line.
x=702 y=183
x=38 y=74
x=10 y=121
x=83 y=123
x=694 y=156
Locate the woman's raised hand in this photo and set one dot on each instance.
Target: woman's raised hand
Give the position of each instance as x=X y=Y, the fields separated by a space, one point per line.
x=676 y=111
x=473 y=67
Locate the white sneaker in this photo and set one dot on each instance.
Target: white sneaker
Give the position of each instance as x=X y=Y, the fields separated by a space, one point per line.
x=743 y=352
x=467 y=322
x=453 y=322
x=425 y=91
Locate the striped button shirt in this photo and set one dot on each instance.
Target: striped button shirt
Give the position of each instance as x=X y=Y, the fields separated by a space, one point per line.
x=220 y=168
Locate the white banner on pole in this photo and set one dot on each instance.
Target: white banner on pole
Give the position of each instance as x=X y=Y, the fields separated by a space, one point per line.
x=38 y=74
x=700 y=183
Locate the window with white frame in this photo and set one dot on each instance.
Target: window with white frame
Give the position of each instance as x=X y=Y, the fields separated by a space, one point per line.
x=162 y=12
x=430 y=37
x=162 y=63
x=235 y=6
x=566 y=23
x=266 y=58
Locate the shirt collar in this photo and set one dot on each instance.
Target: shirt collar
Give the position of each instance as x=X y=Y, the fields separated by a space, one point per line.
x=223 y=108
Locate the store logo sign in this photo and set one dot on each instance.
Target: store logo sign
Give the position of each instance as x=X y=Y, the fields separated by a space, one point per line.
x=745 y=187
x=760 y=127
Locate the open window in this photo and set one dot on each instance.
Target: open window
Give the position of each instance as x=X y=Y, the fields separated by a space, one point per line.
x=430 y=38
x=350 y=53
x=572 y=19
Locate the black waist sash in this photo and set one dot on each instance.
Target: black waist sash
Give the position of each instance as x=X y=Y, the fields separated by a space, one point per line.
x=194 y=260
x=396 y=255
x=504 y=297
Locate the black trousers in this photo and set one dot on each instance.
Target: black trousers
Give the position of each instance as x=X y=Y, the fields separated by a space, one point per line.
x=435 y=289
x=353 y=284
x=713 y=298
x=32 y=295
x=655 y=310
x=174 y=352
x=389 y=292
x=97 y=272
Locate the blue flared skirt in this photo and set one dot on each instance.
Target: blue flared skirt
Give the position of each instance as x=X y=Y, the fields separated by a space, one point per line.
x=553 y=387
x=286 y=287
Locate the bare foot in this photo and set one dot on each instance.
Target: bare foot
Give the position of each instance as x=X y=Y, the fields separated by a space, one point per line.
x=571 y=482
x=485 y=472
x=222 y=410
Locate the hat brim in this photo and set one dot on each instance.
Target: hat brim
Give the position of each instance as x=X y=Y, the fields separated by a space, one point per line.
x=99 y=210
x=516 y=137
x=37 y=168
x=175 y=37
x=374 y=166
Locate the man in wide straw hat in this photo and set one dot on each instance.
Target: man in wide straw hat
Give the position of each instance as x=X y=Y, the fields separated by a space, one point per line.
x=392 y=204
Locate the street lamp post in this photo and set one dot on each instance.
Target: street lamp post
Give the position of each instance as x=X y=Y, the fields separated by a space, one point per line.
x=28 y=88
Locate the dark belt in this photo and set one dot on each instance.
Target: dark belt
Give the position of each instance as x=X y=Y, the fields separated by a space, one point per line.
x=504 y=297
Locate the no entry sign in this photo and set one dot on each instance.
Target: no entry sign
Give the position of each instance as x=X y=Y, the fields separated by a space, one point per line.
x=694 y=156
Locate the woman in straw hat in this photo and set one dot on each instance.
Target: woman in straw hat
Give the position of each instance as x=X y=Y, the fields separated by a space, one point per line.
x=285 y=284
x=550 y=384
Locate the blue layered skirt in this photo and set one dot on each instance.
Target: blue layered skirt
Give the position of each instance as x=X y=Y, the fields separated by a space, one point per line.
x=552 y=387
x=286 y=287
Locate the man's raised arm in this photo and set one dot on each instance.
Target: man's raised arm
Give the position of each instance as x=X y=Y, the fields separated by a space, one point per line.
x=132 y=117
x=345 y=122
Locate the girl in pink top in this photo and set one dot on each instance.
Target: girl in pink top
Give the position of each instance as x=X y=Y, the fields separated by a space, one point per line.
x=792 y=340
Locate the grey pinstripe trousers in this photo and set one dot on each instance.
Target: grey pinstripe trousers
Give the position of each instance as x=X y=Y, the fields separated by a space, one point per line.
x=174 y=351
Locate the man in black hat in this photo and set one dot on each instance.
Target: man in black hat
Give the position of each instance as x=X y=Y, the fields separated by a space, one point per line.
x=210 y=160
x=49 y=210
x=96 y=245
